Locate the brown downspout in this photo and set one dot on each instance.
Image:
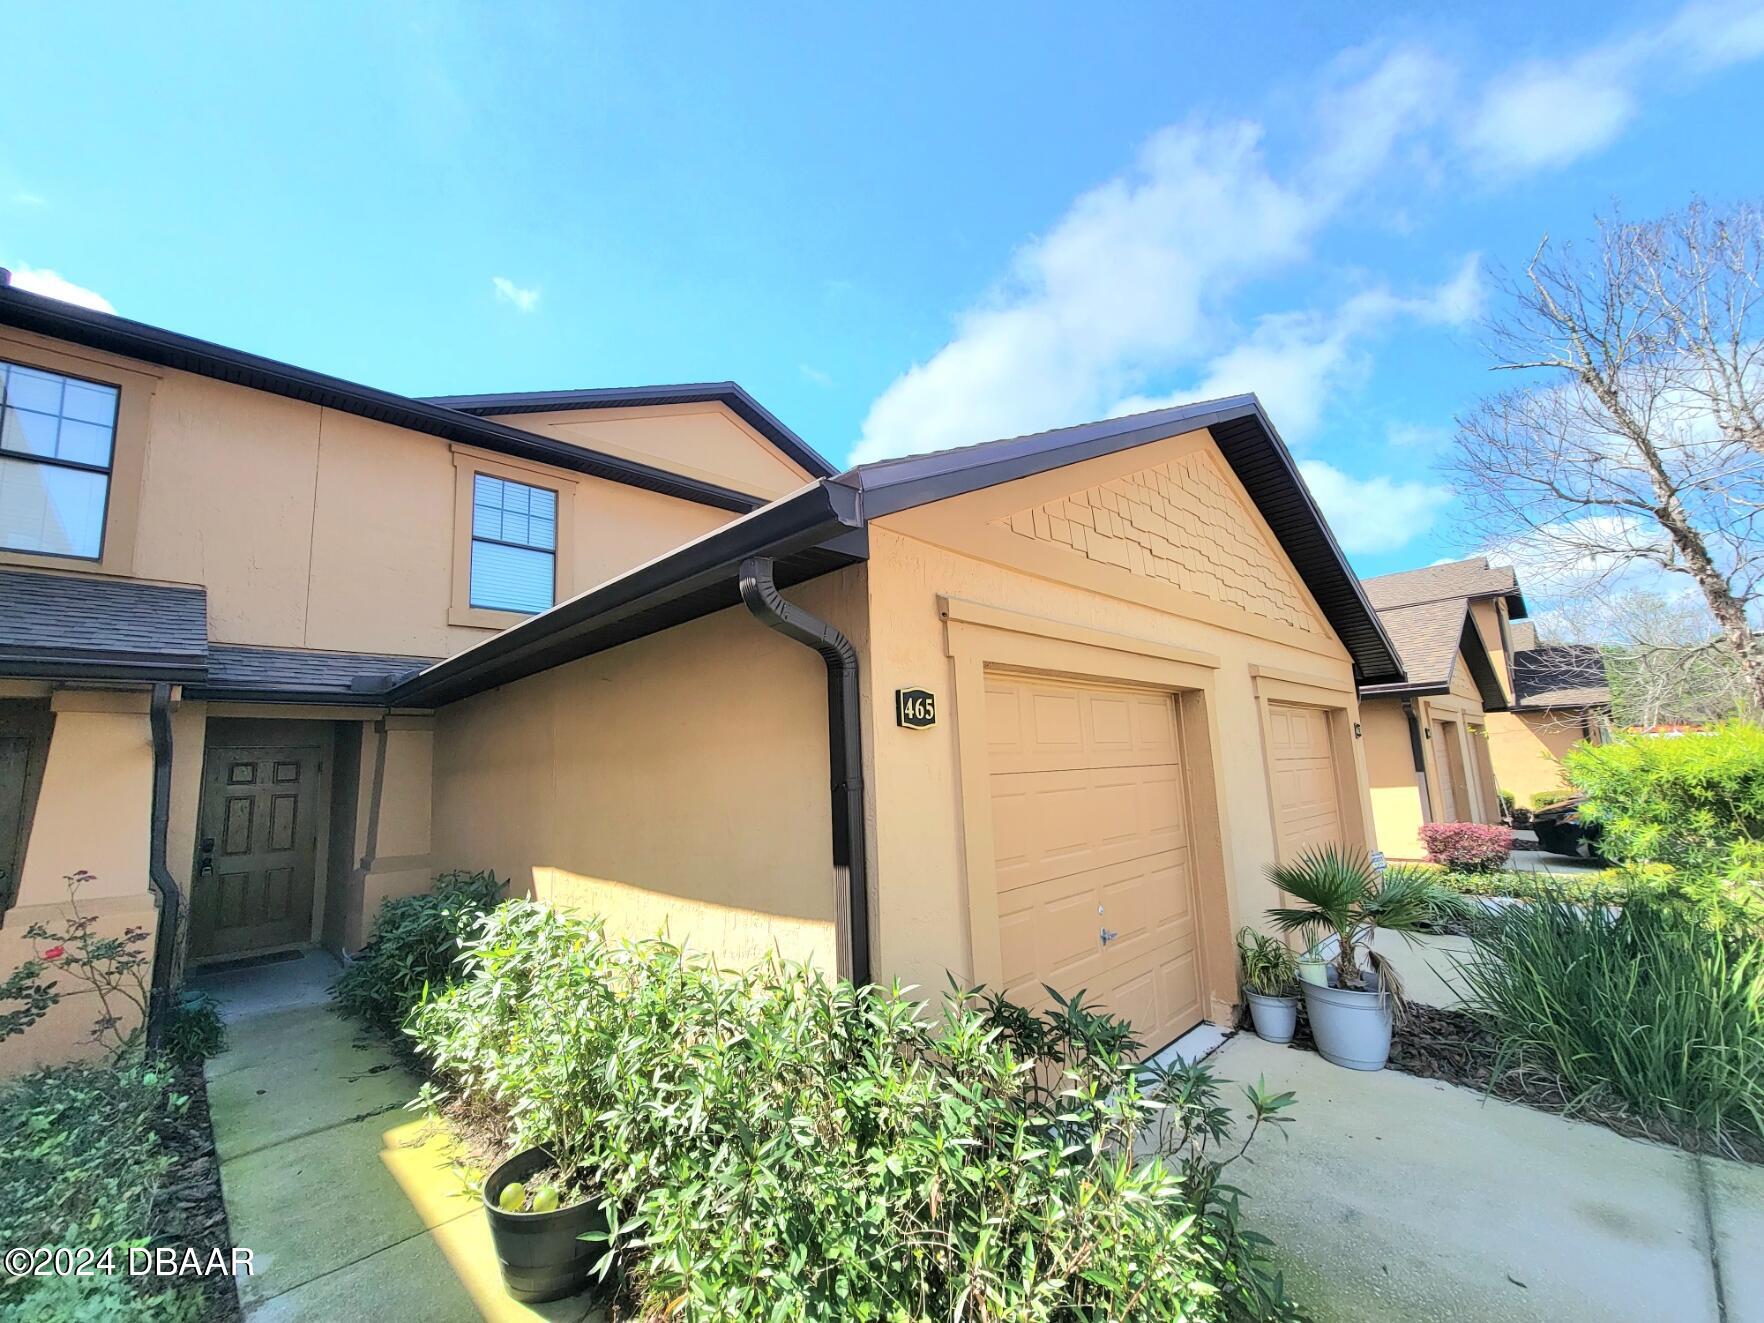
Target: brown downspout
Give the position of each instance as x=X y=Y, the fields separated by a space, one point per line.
x=844 y=741
x=159 y=878
x=1420 y=760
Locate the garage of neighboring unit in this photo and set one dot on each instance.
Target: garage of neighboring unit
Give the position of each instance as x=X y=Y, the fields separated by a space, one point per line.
x=1307 y=781
x=1094 y=871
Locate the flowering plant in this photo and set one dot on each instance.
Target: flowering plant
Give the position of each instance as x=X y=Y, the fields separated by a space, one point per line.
x=115 y=969
x=1467 y=847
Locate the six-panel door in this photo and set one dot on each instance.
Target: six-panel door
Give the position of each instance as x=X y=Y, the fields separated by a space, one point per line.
x=256 y=849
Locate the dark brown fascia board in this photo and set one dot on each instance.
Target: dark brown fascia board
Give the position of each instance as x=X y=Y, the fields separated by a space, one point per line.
x=152 y=344
x=730 y=394
x=52 y=665
x=814 y=516
x=1250 y=444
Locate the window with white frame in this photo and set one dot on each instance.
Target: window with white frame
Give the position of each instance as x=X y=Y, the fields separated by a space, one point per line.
x=514 y=545
x=57 y=435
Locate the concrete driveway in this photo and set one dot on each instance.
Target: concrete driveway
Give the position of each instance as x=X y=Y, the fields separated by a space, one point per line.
x=1394 y=1197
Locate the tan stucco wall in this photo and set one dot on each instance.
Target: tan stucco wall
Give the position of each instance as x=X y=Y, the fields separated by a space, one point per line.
x=680 y=780
x=1390 y=769
x=1527 y=747
x=319 y=529
x=700 y=440
x=1102 y=621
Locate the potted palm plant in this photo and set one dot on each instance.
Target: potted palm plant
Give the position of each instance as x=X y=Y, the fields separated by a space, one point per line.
x=1344 y=900
x=1269 y=972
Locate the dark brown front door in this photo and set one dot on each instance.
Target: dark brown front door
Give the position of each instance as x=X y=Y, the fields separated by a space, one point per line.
x=256 y=848
x=15 y=761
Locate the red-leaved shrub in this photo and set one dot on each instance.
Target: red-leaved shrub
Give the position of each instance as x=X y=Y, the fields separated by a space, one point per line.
x=1468 y=847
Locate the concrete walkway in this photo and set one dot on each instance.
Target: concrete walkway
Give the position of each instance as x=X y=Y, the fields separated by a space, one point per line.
x=1395 y=1197
x=350 y=1204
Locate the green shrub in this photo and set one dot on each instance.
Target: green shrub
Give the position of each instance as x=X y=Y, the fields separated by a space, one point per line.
x=775 y=1145
x=1690 y=808
x=1647 y=1007
x=194 y=1030
x=1613 y=886
x=1544 y=798
x=415 y=945
x=80 y=1164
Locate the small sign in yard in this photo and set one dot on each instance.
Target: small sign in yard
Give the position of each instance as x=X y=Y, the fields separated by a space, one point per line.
x=1378 y=861
x=915 y=709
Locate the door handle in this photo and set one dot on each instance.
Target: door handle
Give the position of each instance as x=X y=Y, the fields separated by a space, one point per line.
x=1109 y=935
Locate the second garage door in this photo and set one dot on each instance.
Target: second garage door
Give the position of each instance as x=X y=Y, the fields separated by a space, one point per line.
x=1091 y=845
x=1307 y=796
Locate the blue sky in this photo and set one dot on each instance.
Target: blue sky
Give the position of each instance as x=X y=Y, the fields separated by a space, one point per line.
x=902 y=227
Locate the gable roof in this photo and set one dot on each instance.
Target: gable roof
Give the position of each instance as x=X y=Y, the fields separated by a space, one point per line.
x=823 y=526
x=726 y=393
x=1430 y=638
x=152 y=344
x=1560 y=675
x=1471 y=578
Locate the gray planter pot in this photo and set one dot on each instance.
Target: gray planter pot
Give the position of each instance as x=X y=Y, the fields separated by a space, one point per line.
x=1276 y=1018
x=1351 y=1028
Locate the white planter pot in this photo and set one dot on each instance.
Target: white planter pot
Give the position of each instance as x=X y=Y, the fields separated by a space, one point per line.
x=1313 y=971
x=1276 y=1018
x=1351 y=1028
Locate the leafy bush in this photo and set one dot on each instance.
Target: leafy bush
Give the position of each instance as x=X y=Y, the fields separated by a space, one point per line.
x=1689 y=808
x=774 y=1145
x=415 y=945
x=1647 y=1008
x=1469 y=847
x=1266 y=965
x=1543 y=799
x=1610 y=887
x=80 y=1163
x=194 y=1030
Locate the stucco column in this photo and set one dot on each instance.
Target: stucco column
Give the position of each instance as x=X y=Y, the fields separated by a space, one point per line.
x=399 y=796
x=92 y=813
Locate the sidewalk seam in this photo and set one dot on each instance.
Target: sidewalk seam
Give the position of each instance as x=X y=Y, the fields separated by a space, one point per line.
x=1706 y=1198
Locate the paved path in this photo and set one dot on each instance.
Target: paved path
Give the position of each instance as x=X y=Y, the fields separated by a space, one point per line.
x=349 y=1202
x=1395 y=1197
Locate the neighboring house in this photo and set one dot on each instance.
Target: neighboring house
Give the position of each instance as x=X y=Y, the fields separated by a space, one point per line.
x=1063 y=698
x=1427 y=748
x=1481 y=708
x=1560 y=696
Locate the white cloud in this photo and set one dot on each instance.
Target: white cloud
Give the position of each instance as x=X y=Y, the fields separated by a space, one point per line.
x=1132 y=281
x=509 y=292
x=52 y=284
x=1373 y=514
x=1547 y=113
x=1298 y=362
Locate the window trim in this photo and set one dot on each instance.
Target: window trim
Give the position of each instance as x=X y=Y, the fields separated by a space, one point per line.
x=128 y=450
x=468 y=463
x=77 y=466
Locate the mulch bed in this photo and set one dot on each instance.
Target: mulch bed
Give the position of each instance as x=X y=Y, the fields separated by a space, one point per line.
x=188 y=1212
x=1456 y=1047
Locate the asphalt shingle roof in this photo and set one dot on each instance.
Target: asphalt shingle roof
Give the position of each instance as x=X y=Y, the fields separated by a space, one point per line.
x=1427 y=637
x=1432 y=583
x=298 y=671
x=1560 y=675
x=84 y=620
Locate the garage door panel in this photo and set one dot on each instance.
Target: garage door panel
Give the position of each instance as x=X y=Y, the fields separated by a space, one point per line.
x=1307 y=796
x=1089 y=834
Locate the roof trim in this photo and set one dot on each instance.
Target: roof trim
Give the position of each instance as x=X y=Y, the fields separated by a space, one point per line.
x=1251 y=446
x=152 y=344
x=727 y=393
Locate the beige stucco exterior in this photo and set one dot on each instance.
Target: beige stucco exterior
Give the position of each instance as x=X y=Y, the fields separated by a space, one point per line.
x=1527 y=749
x=309 y=528
x=1457 y=782
x=608 y=783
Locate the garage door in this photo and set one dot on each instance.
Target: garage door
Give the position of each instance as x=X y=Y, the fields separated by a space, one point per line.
x=1307 y=797
x=1095 y=881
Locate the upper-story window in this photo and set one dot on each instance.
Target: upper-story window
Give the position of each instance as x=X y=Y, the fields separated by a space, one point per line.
x=57 y=435
x=514 y=545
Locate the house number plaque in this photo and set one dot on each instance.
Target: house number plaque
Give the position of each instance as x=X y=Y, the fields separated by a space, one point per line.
x=915 y=709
